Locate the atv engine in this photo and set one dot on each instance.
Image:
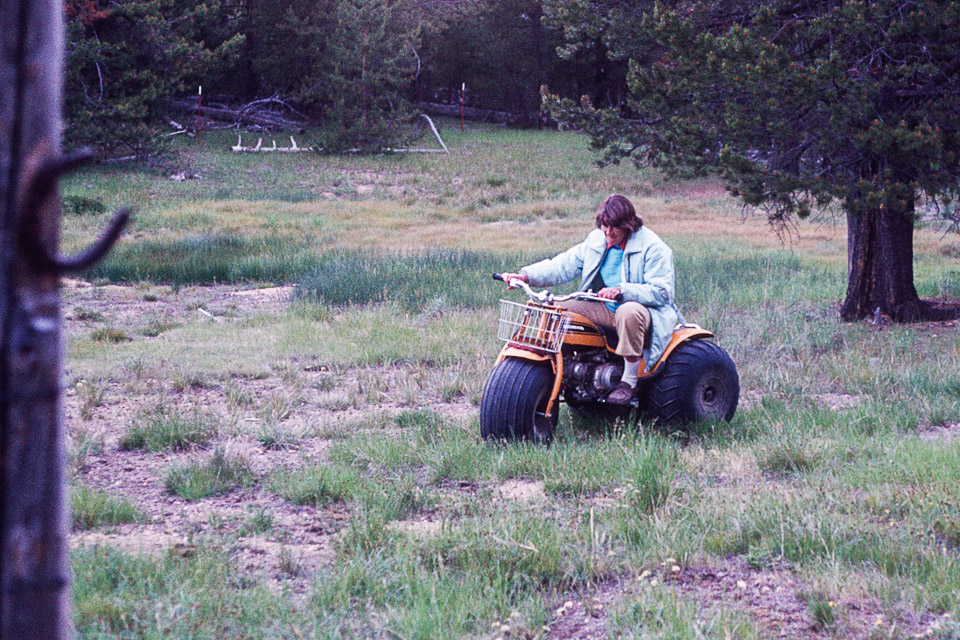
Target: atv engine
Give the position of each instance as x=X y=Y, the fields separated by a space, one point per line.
x=589 y=376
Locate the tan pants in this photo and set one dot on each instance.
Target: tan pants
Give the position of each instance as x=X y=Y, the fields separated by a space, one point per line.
x=632 y=322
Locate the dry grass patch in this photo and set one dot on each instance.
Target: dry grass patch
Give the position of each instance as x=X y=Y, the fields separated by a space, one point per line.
x=522 y=491
x=945 y=432
x=417 y=528
x=143 y=540
x=839 y=401
x=722 y=466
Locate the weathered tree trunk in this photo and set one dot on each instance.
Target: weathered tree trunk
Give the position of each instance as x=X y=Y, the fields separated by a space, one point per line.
x=880 y=266
x=540 y=51
x=34 y=585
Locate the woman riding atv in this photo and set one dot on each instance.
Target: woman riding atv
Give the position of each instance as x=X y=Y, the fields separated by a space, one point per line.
x=626 y=263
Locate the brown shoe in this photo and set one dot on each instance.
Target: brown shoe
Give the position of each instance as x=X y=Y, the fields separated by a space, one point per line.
x=623 y=394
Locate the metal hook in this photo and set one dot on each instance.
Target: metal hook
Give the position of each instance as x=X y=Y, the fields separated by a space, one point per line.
x=95 y=252
x=39 y=186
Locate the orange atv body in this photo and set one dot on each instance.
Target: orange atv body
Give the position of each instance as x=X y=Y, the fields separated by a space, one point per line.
x=551 y=353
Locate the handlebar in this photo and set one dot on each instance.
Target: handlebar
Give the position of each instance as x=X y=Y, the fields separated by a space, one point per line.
x=546 y=297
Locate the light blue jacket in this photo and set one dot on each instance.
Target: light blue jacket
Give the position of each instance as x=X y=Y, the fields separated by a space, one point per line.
x=646 y=277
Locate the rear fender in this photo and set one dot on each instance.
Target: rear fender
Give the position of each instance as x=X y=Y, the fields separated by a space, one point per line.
x=683 y=333
x=555 y=360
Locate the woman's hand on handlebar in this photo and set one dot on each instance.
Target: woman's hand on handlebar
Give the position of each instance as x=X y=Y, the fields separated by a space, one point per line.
x=507 y=277
x=610 y=293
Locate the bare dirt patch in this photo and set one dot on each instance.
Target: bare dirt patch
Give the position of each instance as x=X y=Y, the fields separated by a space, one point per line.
x=286 y=565
x=777 y=600
x=267 y=299
x=86 y=305
x=774 y=598
x=424 y=528
x=771 y=597
x=583 y=615
x=286 y=418
x=145 y=541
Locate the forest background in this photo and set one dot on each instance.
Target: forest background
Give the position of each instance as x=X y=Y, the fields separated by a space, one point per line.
x=799 y=107
x=355 y=67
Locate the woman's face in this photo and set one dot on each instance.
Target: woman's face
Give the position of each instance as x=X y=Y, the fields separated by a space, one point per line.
x=615 y=235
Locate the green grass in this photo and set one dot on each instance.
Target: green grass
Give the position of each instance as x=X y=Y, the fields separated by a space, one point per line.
x=561 y=167
x=109 y=334
x=92 y=508
x=317 y=485
x=444 y=279
x=91 y=395
x=655 y=612
x=746 y=278
x=207 y=258
x=259 y=522
x=220 y=474
x=198 y=595
x=840 y=462
x=163 y=427
x=428 y=588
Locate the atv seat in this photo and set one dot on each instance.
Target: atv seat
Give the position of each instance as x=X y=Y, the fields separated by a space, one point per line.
x=609 y=331
x=610 y=335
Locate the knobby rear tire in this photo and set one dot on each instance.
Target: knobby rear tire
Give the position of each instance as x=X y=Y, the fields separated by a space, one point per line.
x=514 y=400
x=699 y=383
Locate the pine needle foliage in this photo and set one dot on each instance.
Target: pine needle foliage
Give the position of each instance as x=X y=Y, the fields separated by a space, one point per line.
x=372 y=61
x=798 y=106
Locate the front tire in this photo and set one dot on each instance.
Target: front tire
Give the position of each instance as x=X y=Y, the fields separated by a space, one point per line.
x=514 y=401
x=699 y=383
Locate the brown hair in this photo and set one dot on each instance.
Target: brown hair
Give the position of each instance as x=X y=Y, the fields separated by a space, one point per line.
x=618 y=212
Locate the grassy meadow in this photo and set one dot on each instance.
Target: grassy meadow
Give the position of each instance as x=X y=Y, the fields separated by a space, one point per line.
x=273 y=390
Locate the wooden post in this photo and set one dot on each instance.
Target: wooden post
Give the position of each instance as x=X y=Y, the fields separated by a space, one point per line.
x=34 y=583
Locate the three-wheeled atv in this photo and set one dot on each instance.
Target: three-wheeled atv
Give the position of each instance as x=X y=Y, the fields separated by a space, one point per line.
x=551 y=351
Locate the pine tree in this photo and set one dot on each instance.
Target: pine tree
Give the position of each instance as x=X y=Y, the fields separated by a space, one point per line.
x=504 y=51
x=798 y=104
x=363 y=87
x=125 y=59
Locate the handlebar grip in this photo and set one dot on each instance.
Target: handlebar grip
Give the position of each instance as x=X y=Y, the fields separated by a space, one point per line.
x=499 y=277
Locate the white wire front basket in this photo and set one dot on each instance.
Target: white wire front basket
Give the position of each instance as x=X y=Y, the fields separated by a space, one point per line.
x=532 y=326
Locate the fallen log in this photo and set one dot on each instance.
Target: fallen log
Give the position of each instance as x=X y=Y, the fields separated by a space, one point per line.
x=244 y=115
x=295 y=148
x=484 y=115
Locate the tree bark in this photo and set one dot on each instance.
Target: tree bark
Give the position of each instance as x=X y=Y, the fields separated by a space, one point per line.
x=540 y=51
x=34 y=577
x=880 y=267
